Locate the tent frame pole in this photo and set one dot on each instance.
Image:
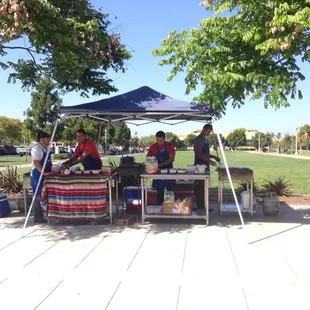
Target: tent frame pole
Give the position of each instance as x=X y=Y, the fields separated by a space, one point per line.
x=228 y=173
x=41 y=175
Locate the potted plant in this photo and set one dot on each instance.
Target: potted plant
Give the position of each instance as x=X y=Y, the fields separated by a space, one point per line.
x=271 y=205
x=279 y=187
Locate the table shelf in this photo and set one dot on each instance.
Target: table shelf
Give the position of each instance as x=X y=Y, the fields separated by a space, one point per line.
x=193 y=177
x=239 y=175
x=232 y=207
x=163 y=216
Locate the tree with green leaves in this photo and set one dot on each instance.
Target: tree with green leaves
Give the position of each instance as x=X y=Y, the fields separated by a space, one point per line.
x=174 y=139
x=189 y=139
x=265 y=139
x=134 y=142
x=147 y=141
x=213 y=141
x=10 y=130
x=69 y=126
x=246 y=49
x=236 y=138
x=288 y=142
x=44 y=108
x=304 y=135
x=122 y=135
x=66 y=41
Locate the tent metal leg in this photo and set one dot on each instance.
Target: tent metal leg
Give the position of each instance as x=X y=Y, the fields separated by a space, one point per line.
x=228 y=174
x=41 y=176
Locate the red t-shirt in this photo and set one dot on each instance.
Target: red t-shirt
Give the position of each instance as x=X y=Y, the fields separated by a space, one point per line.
x=154 y=148
x=89 y=147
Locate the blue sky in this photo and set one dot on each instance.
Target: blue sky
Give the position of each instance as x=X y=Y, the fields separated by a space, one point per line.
x=143 y=25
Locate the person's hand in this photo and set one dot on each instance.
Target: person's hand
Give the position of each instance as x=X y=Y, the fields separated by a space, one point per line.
x=66 y=164
x=47 y=174
x=217 y=159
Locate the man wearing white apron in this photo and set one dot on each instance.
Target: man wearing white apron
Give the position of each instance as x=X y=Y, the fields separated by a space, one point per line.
x=38 y=155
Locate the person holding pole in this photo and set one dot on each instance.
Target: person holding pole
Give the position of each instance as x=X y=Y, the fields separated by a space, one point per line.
x=38 y=154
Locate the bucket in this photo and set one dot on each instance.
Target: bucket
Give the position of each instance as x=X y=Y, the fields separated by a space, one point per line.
x=20 y=202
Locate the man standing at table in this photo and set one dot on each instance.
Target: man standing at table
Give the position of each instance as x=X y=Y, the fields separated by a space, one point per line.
x=203 y=157
x=164 y=153
x=85 y=153
x=38 y=156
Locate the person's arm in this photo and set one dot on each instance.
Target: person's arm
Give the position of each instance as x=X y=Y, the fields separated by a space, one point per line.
x=198 y=153
x=37 y=154
x=150 y=152
x=215 y=157
x=74 y=157
x=80 y=158
x=38 y=166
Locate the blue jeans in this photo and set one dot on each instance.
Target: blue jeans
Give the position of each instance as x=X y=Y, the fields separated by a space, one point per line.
x=38 y=212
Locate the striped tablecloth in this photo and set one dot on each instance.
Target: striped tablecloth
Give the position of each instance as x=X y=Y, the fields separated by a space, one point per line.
x=75 y=197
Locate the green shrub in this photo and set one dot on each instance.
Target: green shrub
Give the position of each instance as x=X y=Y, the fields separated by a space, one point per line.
x=10 y=180
x=280 y=186
x=61 y=156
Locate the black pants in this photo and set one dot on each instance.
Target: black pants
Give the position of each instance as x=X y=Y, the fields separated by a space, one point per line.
x=199 y=190
x=160 y=194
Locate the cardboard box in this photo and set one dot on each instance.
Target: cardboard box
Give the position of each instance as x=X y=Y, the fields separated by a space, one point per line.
x=125 y=219
x=154 y=209
x=174 y=208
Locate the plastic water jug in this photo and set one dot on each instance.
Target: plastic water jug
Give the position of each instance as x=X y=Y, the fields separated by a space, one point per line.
x=151 y=165
x=245 y=199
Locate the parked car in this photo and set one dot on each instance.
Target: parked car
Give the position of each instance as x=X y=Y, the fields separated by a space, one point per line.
x=22 y=150
x=7 y=149
x=2 y=151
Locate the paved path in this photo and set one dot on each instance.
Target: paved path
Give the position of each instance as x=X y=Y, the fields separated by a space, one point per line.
x=281 y=155
x=176 y=265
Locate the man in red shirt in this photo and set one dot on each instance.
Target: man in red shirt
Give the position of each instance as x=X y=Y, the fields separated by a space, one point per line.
x=85 y=153
x=164 y=153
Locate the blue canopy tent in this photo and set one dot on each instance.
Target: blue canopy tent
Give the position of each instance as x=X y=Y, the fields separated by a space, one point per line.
x=147 y=106
x=142 y=104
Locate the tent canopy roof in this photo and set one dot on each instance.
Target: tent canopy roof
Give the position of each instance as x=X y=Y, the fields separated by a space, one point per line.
x=143 y=103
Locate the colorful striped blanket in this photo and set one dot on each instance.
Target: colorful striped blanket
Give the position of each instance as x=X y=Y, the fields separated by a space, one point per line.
x=75 y=197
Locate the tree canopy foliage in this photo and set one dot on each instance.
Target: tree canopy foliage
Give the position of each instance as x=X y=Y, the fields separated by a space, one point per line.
x=43 y=110
x=10 y=130
x=68 y=42
x=262 y=139
x=246 y=49
x=189 y=139
x=236 y=138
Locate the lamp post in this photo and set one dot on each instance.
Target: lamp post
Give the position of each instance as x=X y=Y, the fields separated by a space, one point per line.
x=259 y=141
x=105 y=142
x=296 y=142
x=136 y=141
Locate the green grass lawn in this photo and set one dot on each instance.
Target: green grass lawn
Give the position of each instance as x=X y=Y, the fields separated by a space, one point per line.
x=14 y=160
x=264 y=167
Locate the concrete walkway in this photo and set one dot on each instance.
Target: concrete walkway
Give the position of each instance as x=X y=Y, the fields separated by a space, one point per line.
x=161 y=265
x=281 y=155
